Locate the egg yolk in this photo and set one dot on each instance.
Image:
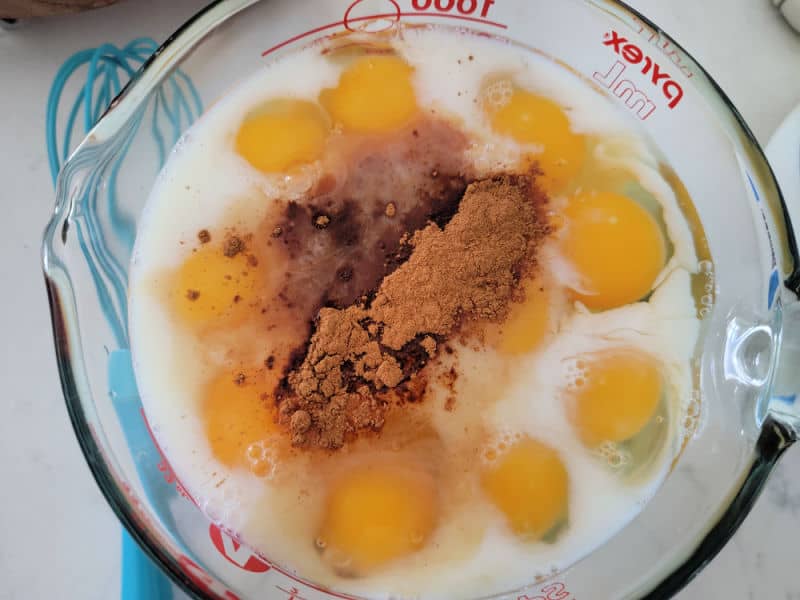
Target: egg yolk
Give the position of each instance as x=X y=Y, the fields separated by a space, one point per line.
x=374 y=95
x=377 y=513
x=616 y=247
x=283 y=134
x=530 y=485
x=532 y=119
x=529 y=322
x=238 y=419
x=616 y=397
x=211 y=288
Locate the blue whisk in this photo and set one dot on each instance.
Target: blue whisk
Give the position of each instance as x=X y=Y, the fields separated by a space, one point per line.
x=108 y=68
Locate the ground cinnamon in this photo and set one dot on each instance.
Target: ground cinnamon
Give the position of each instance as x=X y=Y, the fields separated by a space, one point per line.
x=468 y=271
x=233 y=245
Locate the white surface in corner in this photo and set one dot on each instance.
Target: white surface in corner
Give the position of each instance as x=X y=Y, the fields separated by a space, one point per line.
x=783 y=152
x=58 y=538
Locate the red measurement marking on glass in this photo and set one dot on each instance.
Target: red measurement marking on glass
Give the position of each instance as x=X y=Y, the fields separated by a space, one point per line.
x=236 y=553
x=203 y=580
x=311 y=586
x=634 y=56
x=251 y=560
x=293 y=593
x=658 y=39
x=164 y=466
x=391 y=19
x=553 y=591
x=395 y=16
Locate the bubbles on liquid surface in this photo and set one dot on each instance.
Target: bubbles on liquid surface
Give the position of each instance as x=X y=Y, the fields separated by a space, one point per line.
x=615 y=456
x=692 y=418
x=225 y=509
x=498 y=446
x=261 y=459
x=706 y=270
x=575 y=374
x=498 y=94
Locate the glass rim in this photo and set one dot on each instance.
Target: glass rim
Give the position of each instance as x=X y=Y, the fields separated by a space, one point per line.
x=775 y=437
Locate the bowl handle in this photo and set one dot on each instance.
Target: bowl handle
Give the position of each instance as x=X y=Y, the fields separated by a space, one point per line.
x=784 y=405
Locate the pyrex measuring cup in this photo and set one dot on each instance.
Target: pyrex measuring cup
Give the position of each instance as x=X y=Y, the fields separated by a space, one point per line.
x=745 y=417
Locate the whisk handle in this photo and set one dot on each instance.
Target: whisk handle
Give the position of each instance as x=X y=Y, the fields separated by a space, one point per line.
x=141 y=579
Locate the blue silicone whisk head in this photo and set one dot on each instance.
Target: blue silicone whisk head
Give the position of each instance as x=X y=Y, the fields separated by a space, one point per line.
x=101 y=74
x=107 y=70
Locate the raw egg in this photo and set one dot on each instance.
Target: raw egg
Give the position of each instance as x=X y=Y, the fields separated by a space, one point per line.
x=283 y=134
x=376 y=513
x=374 y=95
x=529 y=118
x=529 y=483
x=616 y=248
x=239 y=420
x=616 y=394
x=213 y=289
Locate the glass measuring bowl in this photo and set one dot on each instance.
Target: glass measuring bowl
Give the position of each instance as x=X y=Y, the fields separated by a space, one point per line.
x=748 y=414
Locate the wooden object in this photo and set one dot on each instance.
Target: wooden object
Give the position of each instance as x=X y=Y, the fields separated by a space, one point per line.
x=23 y=9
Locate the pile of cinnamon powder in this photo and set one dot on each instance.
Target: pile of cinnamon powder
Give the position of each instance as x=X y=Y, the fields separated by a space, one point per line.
x=468 y=272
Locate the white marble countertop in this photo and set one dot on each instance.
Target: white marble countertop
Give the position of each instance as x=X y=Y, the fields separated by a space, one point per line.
x=58 y=538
